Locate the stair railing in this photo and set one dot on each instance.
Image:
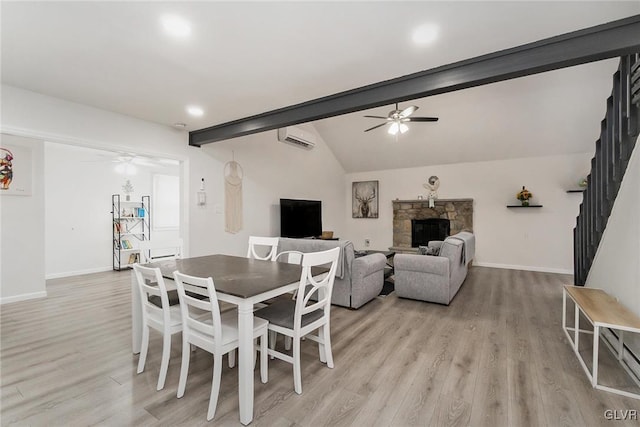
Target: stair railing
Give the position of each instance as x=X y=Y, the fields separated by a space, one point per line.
x=618 y=133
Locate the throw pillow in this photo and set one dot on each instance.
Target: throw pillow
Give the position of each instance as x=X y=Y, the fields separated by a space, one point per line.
x=427 y=250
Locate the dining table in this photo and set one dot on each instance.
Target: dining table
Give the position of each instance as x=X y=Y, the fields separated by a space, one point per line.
x=241 y=281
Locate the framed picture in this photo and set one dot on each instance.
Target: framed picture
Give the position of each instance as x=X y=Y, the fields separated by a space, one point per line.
x=15 y=170
x=364 y=199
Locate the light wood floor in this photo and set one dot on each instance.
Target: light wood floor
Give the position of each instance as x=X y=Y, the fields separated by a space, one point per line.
x=497 y=356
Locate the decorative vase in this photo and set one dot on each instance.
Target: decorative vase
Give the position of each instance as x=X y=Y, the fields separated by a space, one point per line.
x=525 y=203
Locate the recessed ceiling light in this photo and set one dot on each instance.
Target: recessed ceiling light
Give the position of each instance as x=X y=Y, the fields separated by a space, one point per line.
x=180 y=125
x=195 y=111
x=425 y=34
x=175 y=25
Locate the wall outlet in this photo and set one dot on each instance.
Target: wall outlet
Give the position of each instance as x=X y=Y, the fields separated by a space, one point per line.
x=367 y=242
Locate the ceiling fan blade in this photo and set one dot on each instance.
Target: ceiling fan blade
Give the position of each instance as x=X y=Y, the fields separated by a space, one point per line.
x=378 y=117
x=376 y=127
x=421 y=119
x=408 y=111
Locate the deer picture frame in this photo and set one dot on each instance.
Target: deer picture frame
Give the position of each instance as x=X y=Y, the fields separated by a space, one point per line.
x=364 y=199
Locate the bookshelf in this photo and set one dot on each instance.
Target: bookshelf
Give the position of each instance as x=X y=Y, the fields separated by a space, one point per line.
x=131 y=223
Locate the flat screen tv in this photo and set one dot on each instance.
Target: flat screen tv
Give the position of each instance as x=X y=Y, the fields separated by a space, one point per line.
x=300 y=218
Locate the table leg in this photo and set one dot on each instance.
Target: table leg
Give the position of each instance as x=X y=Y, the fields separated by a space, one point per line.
x=576 y=324
x=564 y=309
x=245 y=362
x=596 y=343
x=136 y=315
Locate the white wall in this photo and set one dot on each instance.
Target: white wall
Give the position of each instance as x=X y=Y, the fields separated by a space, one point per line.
x=272 y=170
x=46 y=118
x=538 y=239
x=21 y=230
x=79 y=185
x=616 y=266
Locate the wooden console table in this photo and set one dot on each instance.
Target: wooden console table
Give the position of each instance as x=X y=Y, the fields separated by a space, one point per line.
x=601 y=310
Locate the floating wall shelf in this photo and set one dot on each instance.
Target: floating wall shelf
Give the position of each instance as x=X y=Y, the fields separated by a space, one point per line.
x=575 y=191
x=520 y=206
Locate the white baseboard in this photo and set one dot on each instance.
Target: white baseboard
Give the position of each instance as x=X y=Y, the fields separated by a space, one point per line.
x=77 y=273
x=23 y=297
x=523 y=267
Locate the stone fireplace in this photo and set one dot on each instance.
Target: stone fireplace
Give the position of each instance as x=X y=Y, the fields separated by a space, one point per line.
x=459 y=212
x=425 y=230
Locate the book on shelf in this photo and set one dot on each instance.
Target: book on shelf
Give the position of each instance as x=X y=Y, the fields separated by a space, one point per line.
x=126 y=244
x=133 y=258
x=139 y=212
x=117 y=227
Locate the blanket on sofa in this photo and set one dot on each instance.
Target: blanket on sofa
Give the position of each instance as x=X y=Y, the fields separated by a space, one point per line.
x=468 y=245
x=316 y=245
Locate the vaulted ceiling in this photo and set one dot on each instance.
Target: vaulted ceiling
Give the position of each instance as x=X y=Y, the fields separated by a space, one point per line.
x=244 y=58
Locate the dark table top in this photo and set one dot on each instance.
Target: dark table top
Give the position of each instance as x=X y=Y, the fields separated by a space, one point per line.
x=237 y=276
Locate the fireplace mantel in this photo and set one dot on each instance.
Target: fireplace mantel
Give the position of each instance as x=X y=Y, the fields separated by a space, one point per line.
x=458 y=211
x=427 y=201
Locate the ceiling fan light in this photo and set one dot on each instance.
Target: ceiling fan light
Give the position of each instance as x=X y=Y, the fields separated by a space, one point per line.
x=394 y=128
x=403 y=128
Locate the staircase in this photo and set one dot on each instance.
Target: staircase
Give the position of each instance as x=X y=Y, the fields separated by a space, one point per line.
x=618 y=133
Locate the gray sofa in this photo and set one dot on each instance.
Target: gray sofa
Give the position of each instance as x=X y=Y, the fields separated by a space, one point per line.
x=358 y=280
x=435 y=278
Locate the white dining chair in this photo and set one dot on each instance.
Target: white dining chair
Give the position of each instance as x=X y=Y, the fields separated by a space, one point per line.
x=160 y=250
x=213 y=332
x=297 y=319
x=158 y=314
x=291 y=257
x=267 y=243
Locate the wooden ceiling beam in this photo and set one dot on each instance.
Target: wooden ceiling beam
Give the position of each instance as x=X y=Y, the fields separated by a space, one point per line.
x=613 y=39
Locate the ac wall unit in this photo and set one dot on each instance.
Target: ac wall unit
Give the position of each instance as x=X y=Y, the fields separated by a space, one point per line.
x=296 y=136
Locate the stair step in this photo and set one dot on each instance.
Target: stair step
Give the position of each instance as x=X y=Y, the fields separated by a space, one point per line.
x=618 y=132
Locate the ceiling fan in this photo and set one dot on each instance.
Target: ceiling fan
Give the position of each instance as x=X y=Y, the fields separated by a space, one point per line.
x=126 y=163
x=397 y=120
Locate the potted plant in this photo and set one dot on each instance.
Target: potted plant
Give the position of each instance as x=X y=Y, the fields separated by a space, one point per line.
x=524 y=195
x=128 y=189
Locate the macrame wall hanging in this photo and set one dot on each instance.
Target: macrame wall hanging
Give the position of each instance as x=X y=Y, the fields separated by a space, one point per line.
x=233 y=196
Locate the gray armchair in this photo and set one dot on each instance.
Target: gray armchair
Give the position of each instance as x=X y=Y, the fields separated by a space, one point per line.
x=358 y=280
x=435 y=278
